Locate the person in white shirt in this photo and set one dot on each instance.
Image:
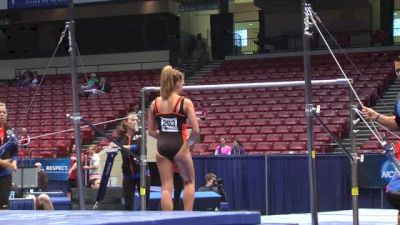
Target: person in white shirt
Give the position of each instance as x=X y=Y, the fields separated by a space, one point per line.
x=94 y=164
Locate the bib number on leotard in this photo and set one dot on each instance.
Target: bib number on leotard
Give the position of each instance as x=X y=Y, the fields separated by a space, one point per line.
x=169 y=124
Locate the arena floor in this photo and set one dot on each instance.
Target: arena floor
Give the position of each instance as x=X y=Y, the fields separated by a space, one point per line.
x=366 y=217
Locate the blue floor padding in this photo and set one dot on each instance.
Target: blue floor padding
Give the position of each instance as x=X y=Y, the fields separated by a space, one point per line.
x=31 y=217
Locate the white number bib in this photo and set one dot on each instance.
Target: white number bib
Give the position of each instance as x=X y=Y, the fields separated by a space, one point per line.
x=169 y=124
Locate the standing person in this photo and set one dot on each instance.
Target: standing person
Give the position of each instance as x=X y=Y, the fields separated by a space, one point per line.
x=8 y=160
x=42 y=177
x=178 y=187
x=393 y=123
x=223 y=148
x=167 y=123
x=94 y=164
x=128 y=135
x=237 y=148
x=72 y=172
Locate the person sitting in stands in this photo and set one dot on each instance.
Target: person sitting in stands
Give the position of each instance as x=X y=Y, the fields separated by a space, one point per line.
x=223 y=148
x=104 y=86
x=35 y=80
x=200 y=112
x=93 y=81
x=237 y=148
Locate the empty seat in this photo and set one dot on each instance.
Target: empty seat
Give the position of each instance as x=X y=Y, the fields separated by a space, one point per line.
x=274 y=137
x=257 y=137
x=264 y=146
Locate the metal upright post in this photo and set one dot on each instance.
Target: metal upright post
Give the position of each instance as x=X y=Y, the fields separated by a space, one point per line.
x=143 y=152
x=309 y=116
x=75 y=100
x=354 y=162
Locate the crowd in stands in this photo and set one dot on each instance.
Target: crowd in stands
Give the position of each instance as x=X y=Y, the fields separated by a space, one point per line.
x=223 y=149
x=95 y=86
x=26 y=78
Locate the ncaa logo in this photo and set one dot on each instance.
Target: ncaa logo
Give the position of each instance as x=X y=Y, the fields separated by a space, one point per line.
x=387 y=171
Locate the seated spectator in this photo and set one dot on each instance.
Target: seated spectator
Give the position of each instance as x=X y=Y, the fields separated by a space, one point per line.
x=200 y=112
x=35 y=80
x=18 y=78
x=27 y=79
x=92 y=82
x=104 y=86
x=215 y=185
x=237 y=148
x=223 y=148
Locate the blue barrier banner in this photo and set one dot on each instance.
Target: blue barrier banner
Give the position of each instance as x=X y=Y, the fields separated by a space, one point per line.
x=56 y=169
x=375 y=172
x=19 y=4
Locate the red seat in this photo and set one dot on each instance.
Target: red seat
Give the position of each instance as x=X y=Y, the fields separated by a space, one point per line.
x=280 y=146
x=275 y=121
x=200 y=147
x=274 y=137
x=298 y=129
x=236 y=130
x=222 y=130
x=240 y=116
x=291 y=121
x=249 y=146
x=264 y=146
x=260 y=122
x=242 y=138
x=257 y=137
x=205 y=131
x=290 y=137
x=217 y=123
x=282 y=129
x=267 y=130
x=210 y=139
x=254 y=115
x=298 y=146
x=245 y=122
x=231 y=123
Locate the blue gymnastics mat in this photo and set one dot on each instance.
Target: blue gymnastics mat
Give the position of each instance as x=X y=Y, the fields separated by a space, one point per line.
x=32 y=217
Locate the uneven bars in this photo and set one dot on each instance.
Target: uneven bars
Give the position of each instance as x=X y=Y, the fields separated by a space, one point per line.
x=143 y=150
x=255 y=85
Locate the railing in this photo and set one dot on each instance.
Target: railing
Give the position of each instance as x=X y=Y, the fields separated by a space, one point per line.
x=56 y=70
x=396 y=36
x=346 y=39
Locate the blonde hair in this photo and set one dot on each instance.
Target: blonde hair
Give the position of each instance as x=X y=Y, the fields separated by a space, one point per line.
x=169 y=78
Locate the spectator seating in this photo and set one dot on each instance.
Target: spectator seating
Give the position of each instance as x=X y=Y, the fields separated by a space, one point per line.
x=273 y=120
x=53 y=100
